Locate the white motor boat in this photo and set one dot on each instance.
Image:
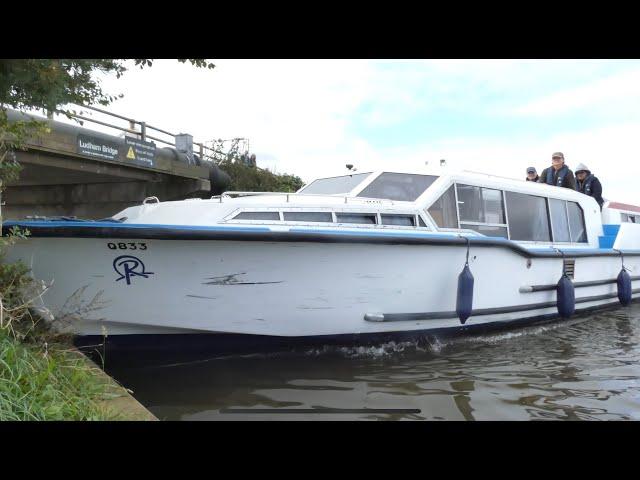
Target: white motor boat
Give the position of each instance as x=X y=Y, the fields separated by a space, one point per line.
x=360 y=257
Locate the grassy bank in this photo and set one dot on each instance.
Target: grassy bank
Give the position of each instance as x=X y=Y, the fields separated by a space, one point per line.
x=41 y=376
x=52 y=382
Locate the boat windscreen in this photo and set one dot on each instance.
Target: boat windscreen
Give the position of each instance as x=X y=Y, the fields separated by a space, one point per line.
x=333 y=185
x=398 y=186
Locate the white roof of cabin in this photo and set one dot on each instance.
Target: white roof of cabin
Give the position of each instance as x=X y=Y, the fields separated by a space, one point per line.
x=203 y=212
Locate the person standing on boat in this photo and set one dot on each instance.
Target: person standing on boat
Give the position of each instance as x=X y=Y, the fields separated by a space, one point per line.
x=558 y=174
x=588 y=183
x=532 y=175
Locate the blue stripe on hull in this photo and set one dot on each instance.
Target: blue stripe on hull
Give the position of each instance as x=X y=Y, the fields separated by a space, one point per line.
x=112 y=230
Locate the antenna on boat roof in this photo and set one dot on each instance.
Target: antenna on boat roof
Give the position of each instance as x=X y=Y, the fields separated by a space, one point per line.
x=350 y=167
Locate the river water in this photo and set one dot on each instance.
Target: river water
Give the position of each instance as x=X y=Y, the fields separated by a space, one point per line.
x=586 y=368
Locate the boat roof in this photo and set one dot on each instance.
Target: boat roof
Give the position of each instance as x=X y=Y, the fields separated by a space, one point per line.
x=448 y=176
x=623 y=206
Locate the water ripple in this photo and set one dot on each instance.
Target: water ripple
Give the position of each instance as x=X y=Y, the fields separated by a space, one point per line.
x=587 y=368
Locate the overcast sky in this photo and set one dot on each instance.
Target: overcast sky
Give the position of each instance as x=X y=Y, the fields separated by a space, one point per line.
x=311 y=117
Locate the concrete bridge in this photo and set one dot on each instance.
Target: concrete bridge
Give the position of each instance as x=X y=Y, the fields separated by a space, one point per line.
x=70 y=170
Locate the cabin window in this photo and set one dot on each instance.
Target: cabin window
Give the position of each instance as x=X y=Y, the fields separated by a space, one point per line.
x=482 y=209
x=403 y=220
x=308 y=216
x=576 y=223
x=443 y=210
x=334 y=185
x=488 y=230
x=559 y=220
x=528 y=217
x=480 y=204
x=398 y=186
x=421 y=222
x=257 y=216
x=363 y=218
x=627 y=218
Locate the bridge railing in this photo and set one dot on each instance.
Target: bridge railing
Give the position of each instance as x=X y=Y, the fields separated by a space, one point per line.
x=205 y=152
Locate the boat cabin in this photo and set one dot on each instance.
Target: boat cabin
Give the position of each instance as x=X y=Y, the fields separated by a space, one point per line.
x=442 y=202
x=480 y=204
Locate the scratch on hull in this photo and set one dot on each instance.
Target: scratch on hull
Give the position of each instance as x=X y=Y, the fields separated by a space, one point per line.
x=232 y=279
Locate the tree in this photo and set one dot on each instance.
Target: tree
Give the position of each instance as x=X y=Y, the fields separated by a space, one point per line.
x=51 y=84
x=253 y=179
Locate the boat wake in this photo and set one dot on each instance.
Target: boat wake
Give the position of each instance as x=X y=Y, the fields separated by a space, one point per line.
x=429 y=345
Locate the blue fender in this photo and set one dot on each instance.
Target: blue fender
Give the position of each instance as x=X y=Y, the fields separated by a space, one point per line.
x=464 y=298
x=566 y=297
x=624 y=287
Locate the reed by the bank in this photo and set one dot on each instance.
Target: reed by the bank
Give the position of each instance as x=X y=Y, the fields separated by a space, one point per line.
x=42 y=377
x=51 y=382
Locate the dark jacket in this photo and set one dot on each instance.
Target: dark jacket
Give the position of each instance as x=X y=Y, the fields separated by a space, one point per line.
x=537 y=179
x=595 y=190
x=569 y=180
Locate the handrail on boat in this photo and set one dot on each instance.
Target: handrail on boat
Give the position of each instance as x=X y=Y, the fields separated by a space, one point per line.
x=232 y=194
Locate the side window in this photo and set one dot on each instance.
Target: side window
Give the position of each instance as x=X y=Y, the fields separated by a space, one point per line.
x=528 y=217
x=421 y=222
x=559 y=221
x=257 y=216
x=479 y=204
x=488 y=230
x=576 y=223
x=481 y=209
x=308 y=216
x=404 y=220
x=364 y=218
x=493 y=206
x=443 y=210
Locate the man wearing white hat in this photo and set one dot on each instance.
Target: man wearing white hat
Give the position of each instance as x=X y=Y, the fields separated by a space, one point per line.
x=588 y=183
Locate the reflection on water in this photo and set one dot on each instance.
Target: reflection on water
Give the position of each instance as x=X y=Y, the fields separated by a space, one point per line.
x=587 y=368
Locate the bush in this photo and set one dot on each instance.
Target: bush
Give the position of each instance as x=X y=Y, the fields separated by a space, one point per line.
x=253 y=179
x=16 y=285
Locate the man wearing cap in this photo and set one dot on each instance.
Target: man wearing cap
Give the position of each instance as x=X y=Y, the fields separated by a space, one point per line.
x=558 y=174
x=588 y=183
x=532 y=175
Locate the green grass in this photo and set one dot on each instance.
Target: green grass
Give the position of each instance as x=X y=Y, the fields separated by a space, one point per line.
x=41 y=376
x=51 y=382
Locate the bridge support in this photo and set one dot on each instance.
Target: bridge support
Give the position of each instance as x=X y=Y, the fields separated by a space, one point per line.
x=94 y=200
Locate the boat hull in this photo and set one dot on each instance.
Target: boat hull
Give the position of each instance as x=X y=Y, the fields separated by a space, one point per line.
x=142 y=350
x=309 y=287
